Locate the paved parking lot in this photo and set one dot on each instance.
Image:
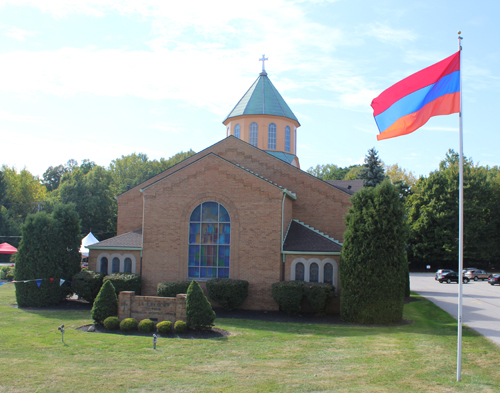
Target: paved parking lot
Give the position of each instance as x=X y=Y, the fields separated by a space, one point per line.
x=480 y=302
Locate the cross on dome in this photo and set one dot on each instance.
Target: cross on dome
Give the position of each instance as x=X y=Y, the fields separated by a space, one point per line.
x=264 y=58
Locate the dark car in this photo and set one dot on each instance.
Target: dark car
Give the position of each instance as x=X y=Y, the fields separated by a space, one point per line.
x=440 y=272
x=451 y=277
x=495 y=279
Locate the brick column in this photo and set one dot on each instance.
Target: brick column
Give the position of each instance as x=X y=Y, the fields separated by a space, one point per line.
x=180 y=307
x=125 y=300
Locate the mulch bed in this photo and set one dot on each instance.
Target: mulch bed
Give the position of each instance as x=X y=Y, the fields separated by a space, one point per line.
x=269 y=316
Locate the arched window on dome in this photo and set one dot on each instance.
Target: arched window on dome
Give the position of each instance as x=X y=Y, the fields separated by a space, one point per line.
x=271 y=138
x=104 y=265
x=254 y=131
x=287 y=139
x=237 y=131
x=295 y=140
x=209 y=241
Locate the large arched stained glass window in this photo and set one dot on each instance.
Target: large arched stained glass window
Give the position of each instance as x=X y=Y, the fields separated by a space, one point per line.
x=287 y=139
x=237 y=131
x=271 y=138
x=254 y=131
x=209 y=241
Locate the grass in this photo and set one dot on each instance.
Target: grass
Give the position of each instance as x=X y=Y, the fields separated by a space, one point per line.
x=258 y=357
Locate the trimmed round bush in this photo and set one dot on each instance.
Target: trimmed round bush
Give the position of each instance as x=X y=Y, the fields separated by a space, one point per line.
x=105 y=304
x=164 y=327
x=180 y=327
x=87 y=284
x=288 y=294
x=111 y=323
x=172 y=288
x=146 y=326
x=128 y=325
x=125 y=282
x=319 y=295
x=199 y=311
x=228 y=293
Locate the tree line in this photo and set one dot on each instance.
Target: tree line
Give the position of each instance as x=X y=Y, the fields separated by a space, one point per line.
x=91 y=188
x=431 y=209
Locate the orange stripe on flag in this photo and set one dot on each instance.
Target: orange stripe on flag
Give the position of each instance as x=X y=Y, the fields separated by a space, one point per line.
x=444 y=105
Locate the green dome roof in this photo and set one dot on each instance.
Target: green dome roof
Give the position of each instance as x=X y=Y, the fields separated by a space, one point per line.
x=262 y=99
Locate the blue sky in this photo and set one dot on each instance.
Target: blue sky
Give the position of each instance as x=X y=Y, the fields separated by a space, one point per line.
x=98 y=79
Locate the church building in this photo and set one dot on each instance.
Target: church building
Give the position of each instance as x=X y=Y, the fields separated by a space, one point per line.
x=241 y=209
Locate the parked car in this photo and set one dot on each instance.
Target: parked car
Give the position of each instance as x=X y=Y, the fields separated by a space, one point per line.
x=495 y=279
x=477 y=275
x=441 y=272
x=451 y=277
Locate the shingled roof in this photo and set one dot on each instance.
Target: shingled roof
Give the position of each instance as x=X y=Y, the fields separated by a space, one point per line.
x=262 y=99
x=127 y=240
x=302 y=238
x=349 y=186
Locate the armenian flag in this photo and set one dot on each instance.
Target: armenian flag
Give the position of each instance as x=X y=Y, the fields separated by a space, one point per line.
x=410 y=103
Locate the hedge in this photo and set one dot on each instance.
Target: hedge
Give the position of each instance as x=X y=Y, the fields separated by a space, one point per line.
x=228 y=293
x=86 y=284
x=289 y=295
x=172 y=288
x=125 y=282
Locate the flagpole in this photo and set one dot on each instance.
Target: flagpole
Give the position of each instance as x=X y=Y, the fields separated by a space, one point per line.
x=460 y=226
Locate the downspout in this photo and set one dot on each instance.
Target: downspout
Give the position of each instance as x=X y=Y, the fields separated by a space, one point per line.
x=142 y=234
x=282 y=229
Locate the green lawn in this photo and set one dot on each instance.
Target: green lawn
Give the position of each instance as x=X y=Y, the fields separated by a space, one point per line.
x=257 y=357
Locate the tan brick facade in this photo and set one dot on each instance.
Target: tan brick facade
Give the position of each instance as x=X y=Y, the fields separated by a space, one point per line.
x=259 y=208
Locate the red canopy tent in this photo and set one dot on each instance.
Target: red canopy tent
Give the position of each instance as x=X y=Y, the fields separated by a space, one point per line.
x=6 y=248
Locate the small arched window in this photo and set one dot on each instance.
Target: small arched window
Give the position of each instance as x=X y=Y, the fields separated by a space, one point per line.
x=287 y=139
x=299 y=271
x=104 y=265
x=313 y=272
x=115 y=266
x=127 y=266
x=237 y=131
x=271 y=139
x=254 y=133
x=328 y=273
x=209 y=241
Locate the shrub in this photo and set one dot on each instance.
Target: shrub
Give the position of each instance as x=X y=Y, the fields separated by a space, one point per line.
x=288 y=295
x=87 y=284
x=146 y=326
x=319 y=295
x=128 y=325
x=125 y=282
x=373 y=256
x=172 y=288
x=112 y=323
x=198 y=309
x=106 y=303
x=164 y=327
x=230 y=294
x=180 y=327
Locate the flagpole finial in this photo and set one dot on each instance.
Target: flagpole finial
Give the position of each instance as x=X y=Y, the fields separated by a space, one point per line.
x=459 y=32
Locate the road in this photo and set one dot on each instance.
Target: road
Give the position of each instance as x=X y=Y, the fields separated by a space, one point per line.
x=480 y=302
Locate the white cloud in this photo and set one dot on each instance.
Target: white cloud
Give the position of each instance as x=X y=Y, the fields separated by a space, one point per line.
x=4 y=115
x=389 y=35
x=17 y=34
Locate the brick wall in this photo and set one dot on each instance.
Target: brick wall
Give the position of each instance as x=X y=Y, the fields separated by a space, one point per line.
x=157 y=309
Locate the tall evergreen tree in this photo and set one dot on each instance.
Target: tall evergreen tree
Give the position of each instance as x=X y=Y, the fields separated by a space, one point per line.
x=49 y=251
x=374 y=268
x=198 y=309
x=373 y=169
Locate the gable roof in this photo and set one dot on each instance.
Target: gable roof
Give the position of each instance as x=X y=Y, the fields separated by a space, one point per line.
x=302 y=238
x=262 y=98
x=283 y=189
x=130 y=240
